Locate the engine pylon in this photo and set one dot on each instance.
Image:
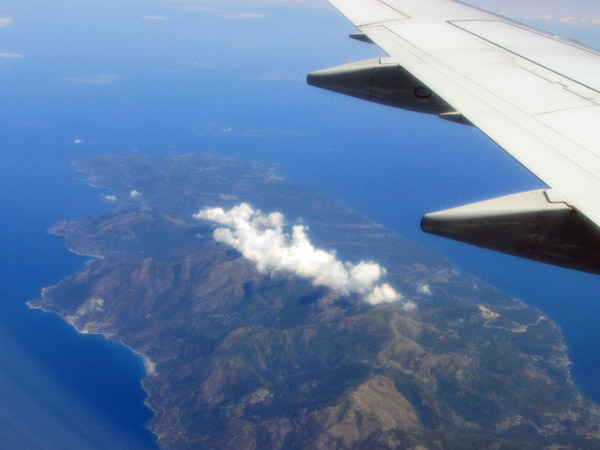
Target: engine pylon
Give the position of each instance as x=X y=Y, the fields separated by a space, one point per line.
x=526 y=225
x=381 y=80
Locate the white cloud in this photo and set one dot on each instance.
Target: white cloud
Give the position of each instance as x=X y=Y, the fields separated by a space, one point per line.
x=224 y=14
x=273 y=133
x=109 y=198
x=5 y=21
x=580 y=20
x=253 y=133
x=544 y=17
x=551 y=11
x=103 y=78
x=134 y=194
x=261 y=238
x=10 y=55
x=216 y=66
x=206 y=66
x=571 y=20
x=308 y=4
x=383 y=293
x=241 y=15
x=154 y=17
x=198 y=8
x=409 y=306
x=424 y=289
x=78 y=141
x=281 y=76
x=568 y=19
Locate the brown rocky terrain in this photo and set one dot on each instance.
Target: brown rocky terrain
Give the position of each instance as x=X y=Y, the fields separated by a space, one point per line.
x=239 y=359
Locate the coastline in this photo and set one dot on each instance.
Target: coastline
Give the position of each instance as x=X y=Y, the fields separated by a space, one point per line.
x=149 y=365
x=141 y=293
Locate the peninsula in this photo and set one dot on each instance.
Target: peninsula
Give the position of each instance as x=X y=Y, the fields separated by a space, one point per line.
x=240 y=356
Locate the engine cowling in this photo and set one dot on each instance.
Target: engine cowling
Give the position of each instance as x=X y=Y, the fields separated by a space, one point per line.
x=527 y=225
x=383 y=81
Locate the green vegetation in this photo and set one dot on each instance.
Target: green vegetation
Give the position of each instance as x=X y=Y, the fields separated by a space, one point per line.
x=249 y=360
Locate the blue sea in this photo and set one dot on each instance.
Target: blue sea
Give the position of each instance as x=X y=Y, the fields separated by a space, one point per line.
x=77 y=391
x=125 y=77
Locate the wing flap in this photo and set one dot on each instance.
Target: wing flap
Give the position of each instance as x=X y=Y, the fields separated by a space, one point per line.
x=569 y=59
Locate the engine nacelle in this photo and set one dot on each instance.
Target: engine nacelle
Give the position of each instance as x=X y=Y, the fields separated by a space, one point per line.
x=383 y=81
x=526 y=225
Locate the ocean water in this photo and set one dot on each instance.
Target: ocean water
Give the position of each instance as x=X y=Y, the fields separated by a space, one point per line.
x=77 y=391
x=185 y=85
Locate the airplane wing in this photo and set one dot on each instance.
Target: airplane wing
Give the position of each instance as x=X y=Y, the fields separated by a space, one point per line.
x=536 y=95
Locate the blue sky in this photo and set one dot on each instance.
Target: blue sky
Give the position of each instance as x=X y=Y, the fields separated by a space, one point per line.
x=169 y=76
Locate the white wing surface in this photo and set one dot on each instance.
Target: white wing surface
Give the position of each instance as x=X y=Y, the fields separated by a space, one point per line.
x=536 y=95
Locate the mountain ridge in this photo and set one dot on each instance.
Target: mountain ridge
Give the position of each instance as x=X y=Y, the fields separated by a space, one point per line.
x=245 y=359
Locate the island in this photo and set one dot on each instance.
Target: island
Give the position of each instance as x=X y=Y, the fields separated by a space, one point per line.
x=240 y=356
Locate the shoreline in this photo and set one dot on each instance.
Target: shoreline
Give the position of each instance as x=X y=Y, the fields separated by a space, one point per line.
x=149 y=365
